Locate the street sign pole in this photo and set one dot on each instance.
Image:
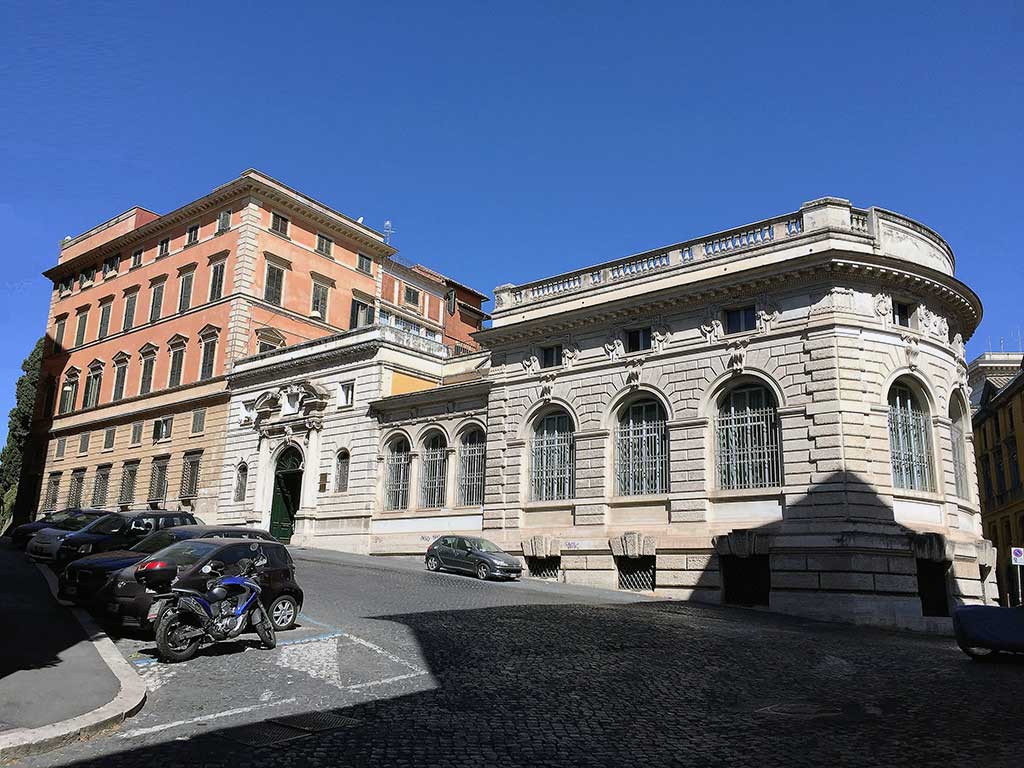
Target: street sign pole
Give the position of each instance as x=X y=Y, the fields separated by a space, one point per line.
x=1017 y=561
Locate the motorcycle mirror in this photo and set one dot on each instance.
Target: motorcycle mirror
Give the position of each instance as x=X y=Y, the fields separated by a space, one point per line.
x=206 y=569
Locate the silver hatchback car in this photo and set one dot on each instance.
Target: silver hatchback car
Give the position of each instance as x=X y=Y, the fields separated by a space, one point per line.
x=46 y=543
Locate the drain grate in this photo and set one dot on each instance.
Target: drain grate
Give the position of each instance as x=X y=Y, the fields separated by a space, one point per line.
x=315 y=722
x=262 y=734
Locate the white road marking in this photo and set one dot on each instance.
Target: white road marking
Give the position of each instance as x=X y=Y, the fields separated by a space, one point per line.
x=382 y=652
x=385 y=681
x=202 y=718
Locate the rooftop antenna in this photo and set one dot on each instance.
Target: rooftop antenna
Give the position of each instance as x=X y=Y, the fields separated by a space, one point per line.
x=1002 y=343
x=389 y=231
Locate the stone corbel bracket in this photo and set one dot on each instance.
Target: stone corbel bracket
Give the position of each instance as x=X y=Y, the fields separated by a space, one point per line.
x=741 y=543
x=542 y=546
x=633 y=544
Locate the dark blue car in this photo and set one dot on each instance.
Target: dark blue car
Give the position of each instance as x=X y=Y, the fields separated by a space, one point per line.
x=116 y=531
x=20 y=536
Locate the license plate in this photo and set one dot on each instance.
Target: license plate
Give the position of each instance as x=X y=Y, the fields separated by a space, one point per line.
x=154 y=609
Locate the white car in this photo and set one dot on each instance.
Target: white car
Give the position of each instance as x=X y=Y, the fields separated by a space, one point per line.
x=44 y=545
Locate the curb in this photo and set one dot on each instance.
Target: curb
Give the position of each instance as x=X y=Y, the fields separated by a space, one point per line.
x=20 y=742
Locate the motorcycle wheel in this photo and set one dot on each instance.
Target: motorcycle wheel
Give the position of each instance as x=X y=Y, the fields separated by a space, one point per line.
x=170 y=649
x=265 y=629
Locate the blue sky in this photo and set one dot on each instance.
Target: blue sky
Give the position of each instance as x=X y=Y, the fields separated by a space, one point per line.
x=512 y=140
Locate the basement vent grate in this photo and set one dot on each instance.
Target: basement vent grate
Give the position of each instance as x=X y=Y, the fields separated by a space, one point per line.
x=262 y=734
x=317 y=721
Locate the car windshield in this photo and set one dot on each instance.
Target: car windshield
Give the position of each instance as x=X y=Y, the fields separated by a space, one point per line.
x=187 y=552
x=79 y=520
x=56 y=517
x=157 y=541
x=484 y=545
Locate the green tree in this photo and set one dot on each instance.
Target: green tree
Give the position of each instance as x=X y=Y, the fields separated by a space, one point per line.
x=19 y=421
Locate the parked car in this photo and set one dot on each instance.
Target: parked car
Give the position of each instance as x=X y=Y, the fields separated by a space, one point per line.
x=985 y=630
x=20 y=536
x=118 y=530
x=85 y=581
x=282 y=596
x=45 y=544
x=472 y=555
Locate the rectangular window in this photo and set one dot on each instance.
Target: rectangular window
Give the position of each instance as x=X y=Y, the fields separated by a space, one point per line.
x=740 y=320
x=109 y=436
x=137 y=258
x=52 y=492
x=111 y=265
x=190 y=475
x=120 y=375
x=638 y=339
x=58 y=334
x=273 y=288
x=66 y=285
x=100 y=486
x=223 y=221
x=217 y=281
x=162 y=428
x=192 y=235
x=346 y=393
x=68 y=396
x=362 y=314
x=364 y=263
x=156 y=302
x=412 y=296
x=901 y=313
x=551 y=357
x=146 y=380
x=163 y=248
x=209 y=358
x=324 y=245
x=279 y=224
x=62 y=443
x=83 y=321
x=185 y=292
x=86 y=278
x=83 y=443
x=177 y=363
x=158 y=480
x=104 y=329
x=129 y=310
x=198 y=421
x=320 y=293
x=129 y=473
x=93 y=382
x=137 y=433
x=75 y=489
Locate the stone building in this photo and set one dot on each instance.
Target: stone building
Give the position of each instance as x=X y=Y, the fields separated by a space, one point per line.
x=773 y=415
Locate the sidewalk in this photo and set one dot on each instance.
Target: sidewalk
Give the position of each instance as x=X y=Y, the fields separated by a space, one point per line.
x=57 y=682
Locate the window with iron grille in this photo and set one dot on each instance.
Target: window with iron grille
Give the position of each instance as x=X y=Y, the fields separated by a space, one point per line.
x=129 y=310
x=748 y=453
x=223 y=221
x=100 y=485
x=472 y=463
x=241 y=481
x=62 y=443
x=279 y=224
x=75 y=489
x=553 y=459
x=190 y=475
x=185 y=292
x=137 y=428
x=217 y=280
x=956 y=416
x=158 y=480
x=83 y=442
x=910 y=442
x=129 y=473
x=641 y=450
x=52 y=492
x=156 y=302
x=637 y=574
x=109 y=436
x=435 y=472
x=341 y=465
x=396 y=477
x=198 y=420
x=273 y=288
x=324 y=244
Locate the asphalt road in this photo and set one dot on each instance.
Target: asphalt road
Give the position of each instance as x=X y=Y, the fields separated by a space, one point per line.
x=394 y=666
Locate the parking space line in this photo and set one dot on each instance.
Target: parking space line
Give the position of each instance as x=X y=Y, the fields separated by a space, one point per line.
x=385 y=681
x=386 y=654
x=202 y=718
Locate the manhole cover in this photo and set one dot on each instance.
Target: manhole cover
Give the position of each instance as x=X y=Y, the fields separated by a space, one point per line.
x=802 y=709
x=317 y=721
x=262 y=734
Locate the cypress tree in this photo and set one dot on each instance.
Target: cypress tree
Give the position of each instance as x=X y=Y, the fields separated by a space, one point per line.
x=19 y=421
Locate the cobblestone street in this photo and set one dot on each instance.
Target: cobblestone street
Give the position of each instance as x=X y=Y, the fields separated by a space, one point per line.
x=408 y=668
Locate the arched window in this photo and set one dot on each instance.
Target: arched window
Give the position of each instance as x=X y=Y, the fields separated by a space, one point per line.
x=553 y=454
x=435 y=472
x=341 y=471
x=956 y=429
x=748 y=453
x=396 y=478
x=910 y=443
x=641 y=449
x=241 y=481
x=472 y=462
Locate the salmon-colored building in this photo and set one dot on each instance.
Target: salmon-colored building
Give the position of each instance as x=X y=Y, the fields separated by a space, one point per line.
x=149 y=313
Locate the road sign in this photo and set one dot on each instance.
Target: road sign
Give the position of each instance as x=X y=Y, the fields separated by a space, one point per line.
x=1017 y=555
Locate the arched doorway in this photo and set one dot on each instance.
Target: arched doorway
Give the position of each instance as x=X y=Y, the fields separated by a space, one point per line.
x=287 y=494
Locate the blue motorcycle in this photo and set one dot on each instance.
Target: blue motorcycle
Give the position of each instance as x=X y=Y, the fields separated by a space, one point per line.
x=189 y=618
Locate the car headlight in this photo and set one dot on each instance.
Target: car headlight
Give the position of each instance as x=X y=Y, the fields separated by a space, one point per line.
x=85 y=549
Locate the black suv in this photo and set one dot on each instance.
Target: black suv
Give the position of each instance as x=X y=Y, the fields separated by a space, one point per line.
x=118 y=530
x=21 y=535
x=281 y=595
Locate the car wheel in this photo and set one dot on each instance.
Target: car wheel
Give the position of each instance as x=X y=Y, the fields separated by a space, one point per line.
x=433 y=564
x=482 y=571
x=283 y=612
